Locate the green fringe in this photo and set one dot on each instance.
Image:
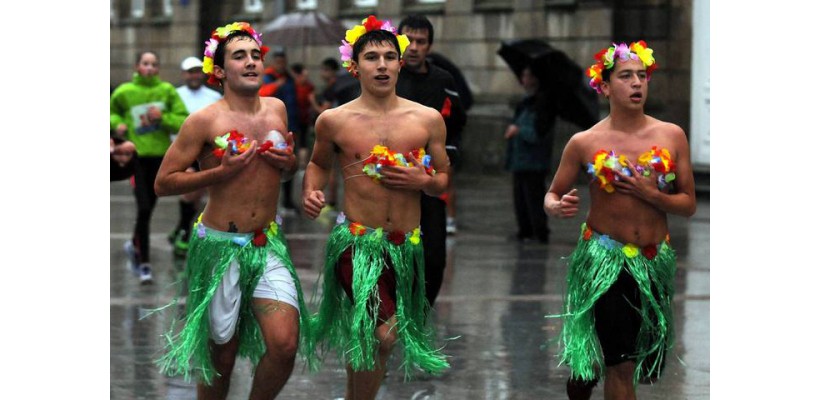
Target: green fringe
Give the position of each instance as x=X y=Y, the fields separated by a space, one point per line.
x=593 y=268
x=187 y=348
x=348 y=328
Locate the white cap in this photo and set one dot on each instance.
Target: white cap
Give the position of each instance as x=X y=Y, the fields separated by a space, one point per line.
x=191 y=62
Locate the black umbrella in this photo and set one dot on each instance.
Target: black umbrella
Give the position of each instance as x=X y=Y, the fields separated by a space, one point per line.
x=563 y=78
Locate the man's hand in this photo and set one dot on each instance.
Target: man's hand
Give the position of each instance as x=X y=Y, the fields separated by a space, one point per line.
x=233 y=163
x=405 y=178
x=566 y=206
x=511 y=131
x=642 y=187
x=313 y=202
x=283 y=159
x=121 y=130
x=154 y=115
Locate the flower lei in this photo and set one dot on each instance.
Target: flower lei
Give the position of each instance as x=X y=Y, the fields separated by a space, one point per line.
x=604 y=164
x=381 y=156
x=605 y=59
x=368 y=24
x=218 y=36
x=630 y=250
x=237 y=143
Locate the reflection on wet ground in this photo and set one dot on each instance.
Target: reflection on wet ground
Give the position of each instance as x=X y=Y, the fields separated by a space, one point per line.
x=489 y=316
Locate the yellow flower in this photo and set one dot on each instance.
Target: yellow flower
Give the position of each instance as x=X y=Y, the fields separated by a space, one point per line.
x=644 y=53
x=208 y=65
x=403 y=42
x=645 y=158
x=631 y=250
x=353 y=34
x=416 y=237
x=273 y=229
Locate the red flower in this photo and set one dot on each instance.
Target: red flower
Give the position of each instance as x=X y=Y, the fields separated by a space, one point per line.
x=396 y=237
x=259 y=238
x=265 y=146
x=587 y=233
x=356 y=229
x=235 y=136
x=445 y=109
x=650 y=251
x=219 y=152
x=372 y=24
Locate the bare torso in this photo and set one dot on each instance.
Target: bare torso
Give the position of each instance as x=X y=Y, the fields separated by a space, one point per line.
x=625 y=218
x=356 y=131
x=248 y=200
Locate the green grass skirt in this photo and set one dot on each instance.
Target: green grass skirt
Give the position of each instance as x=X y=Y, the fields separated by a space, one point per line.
x=594 y=266
x=348 y=328
x=209 y=256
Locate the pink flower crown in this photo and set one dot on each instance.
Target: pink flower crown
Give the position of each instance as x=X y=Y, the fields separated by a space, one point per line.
x=218 y=36
x=368 y=24
x=605 y=59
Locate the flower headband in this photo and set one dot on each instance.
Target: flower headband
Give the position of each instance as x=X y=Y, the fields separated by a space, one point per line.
x=368 y=24
x=218 y=36
x=605 y=59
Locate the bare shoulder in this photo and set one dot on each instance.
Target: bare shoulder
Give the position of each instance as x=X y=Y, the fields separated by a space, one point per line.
x=330 y=118
x=666 y=128
x=418 y=109
x=203 y=119
x=272 y=103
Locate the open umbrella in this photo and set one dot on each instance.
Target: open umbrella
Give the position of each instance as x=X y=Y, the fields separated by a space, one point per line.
x=576 y=101
x=304 y=28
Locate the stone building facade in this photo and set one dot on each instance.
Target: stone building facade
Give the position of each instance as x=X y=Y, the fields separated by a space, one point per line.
x=469 y=32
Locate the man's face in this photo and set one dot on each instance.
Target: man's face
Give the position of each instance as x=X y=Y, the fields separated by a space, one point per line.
x=280 y=63
x=416 y=52
x=243 y=66
x=378 y=67
x=529 y=81
x=193 y=78
x=327 y=74
x=627 y=84
x=148 y=65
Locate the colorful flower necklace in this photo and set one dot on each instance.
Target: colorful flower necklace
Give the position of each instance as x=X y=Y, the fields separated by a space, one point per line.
x=381 y=156
x=238 y=143
x=604 y=164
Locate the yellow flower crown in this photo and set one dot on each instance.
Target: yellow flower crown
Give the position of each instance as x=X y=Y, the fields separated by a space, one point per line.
x=368 y=24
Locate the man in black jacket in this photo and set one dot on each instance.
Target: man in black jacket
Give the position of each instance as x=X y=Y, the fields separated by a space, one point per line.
x=425 y=83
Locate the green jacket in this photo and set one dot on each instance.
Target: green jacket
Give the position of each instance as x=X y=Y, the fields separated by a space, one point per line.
x=129 y=105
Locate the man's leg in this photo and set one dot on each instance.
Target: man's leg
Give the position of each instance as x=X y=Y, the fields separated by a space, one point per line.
x=224 y=357
x=364 y=385
x=578 y=389
x=434 y=239
x=618 y=383
x=279 y=323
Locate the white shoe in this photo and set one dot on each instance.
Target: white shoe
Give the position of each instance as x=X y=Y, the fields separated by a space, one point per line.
x=145 y=274
x=131 y=257
x=451 y=226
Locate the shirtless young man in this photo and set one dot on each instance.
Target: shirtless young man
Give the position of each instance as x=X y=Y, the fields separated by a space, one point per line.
x=620 y=282
x=373 y=290
x=239 y=268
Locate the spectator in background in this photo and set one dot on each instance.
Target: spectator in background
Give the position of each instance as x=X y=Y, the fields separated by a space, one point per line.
x=145 y=111
x=196 y=95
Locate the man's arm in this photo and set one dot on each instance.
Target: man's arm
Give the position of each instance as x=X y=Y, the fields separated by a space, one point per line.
x=318 y=169
x=561 y=200
x=173 y=177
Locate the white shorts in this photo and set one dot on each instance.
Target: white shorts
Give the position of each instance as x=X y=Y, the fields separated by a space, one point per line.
x=275 y=284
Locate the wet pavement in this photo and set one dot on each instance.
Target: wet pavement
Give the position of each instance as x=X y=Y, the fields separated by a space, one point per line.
x=493 y=301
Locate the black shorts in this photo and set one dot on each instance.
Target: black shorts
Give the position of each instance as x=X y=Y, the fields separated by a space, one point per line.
x=617 y=321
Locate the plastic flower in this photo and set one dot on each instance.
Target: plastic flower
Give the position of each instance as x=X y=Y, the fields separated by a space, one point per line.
x=650 y=251
x=259 y=238
x=415 y=238
x=631 y=250
x=273 y=229
x=606 y=58
x=396 y=237
x=587 y=233
x=353 y=34
x=356 y=229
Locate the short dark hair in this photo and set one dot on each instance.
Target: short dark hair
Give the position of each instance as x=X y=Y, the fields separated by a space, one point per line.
x=374 y=36
x=331 y=63
x=298 y=67
x=417 y=21
x=219 y=54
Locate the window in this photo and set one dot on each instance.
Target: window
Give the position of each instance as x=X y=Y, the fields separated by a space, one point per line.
x=137 y=8
x=305 y=4
x=365 y=3
x=253 y=6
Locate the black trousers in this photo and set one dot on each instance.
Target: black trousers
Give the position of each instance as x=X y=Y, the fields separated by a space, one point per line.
x=434 y=239
x=144 y=175
x=529 y=189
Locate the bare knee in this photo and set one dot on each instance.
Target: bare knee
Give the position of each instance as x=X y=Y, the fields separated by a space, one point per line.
x=386 y=333
x=623 y=372
x=284 y=346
